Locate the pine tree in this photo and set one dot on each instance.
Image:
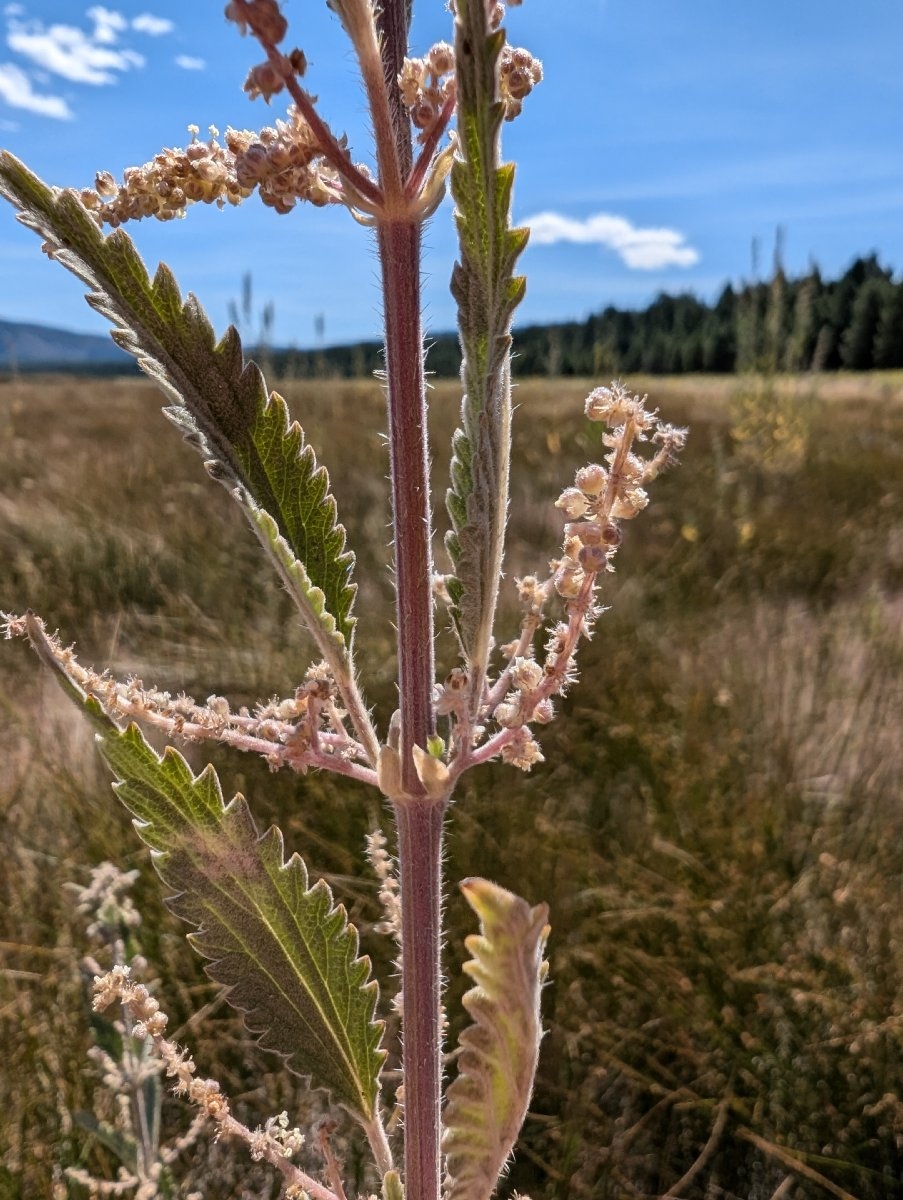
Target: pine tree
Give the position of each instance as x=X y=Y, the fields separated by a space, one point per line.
x=858 y=344
x=889 y=338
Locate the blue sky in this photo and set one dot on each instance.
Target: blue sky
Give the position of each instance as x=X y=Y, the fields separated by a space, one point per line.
x=664 y=138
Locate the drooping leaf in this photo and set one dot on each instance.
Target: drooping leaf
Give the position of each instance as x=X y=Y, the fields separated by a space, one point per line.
x=487 y=1102
x=284 y=952
x=221 y=402
x=487 y=291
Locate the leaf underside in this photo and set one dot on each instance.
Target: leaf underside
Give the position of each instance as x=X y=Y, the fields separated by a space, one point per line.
x=221 y=403
x=487 y=291
x=487 y=1102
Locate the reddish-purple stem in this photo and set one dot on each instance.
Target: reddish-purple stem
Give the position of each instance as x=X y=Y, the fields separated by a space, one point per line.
x=420 y=824
x=419 y=818
x=399 y=252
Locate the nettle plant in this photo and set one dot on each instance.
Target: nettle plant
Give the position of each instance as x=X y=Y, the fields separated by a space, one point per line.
x=284 y=952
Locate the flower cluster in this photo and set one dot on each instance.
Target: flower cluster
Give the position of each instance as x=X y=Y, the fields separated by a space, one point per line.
x=283 y=163
x=268 y=78
x=519 y=72
x=165 y=186
x=426 y=84
x=385 y=869
x=117 y=986
x=601 y=497
x=106 y=900
x=275 y=1142
x=604 y=495
x=304 y=730
x=276 y=1134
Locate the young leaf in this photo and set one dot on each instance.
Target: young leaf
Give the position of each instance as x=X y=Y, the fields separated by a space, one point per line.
x=487 y=291
x=487 y=1102
x=286 y=955
x=222 y=405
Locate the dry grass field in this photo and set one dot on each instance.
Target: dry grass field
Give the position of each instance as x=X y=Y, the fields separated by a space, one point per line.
x=718 y=827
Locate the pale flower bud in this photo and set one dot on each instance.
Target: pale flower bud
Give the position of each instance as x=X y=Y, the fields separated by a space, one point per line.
x=264 y=80
x=441 y=58
x=627 y=506
x=507 y=714
x=593 y=559
x=423 y=114
x=104 y=184
x=573 y=502
x=591 y=480
x=526 y=674
x=568 y=583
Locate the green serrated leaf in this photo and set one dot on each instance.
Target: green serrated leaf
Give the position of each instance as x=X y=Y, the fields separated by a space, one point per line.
x=285 y=953
x=222 y=404
x=487 y=1102
x=487 y=292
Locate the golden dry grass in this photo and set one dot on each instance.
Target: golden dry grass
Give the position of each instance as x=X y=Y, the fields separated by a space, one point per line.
x=717 y=827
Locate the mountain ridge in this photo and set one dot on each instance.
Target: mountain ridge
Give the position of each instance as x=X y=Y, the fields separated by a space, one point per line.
x=27 y=345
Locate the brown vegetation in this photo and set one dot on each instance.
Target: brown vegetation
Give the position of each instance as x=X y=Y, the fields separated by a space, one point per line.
x=717 y=828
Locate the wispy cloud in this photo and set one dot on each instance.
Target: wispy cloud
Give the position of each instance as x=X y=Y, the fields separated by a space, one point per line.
x=72 y=53
x=155 y=26
x=187 y=63
x=641 y=249
x=16 y=90
x=107 y=24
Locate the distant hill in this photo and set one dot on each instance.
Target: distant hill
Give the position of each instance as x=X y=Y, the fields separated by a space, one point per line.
x=25 y=347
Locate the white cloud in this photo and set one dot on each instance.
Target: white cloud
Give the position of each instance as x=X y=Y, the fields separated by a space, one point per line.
x=107 y=24
x=16 y=90
x=68 y=51
x=155 y=26
x=641 y=249
x=187 y=63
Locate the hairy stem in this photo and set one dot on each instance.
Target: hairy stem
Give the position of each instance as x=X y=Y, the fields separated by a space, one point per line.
x=420 y=824
x=393 y=20
x=399 y=251
x=419 y=818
